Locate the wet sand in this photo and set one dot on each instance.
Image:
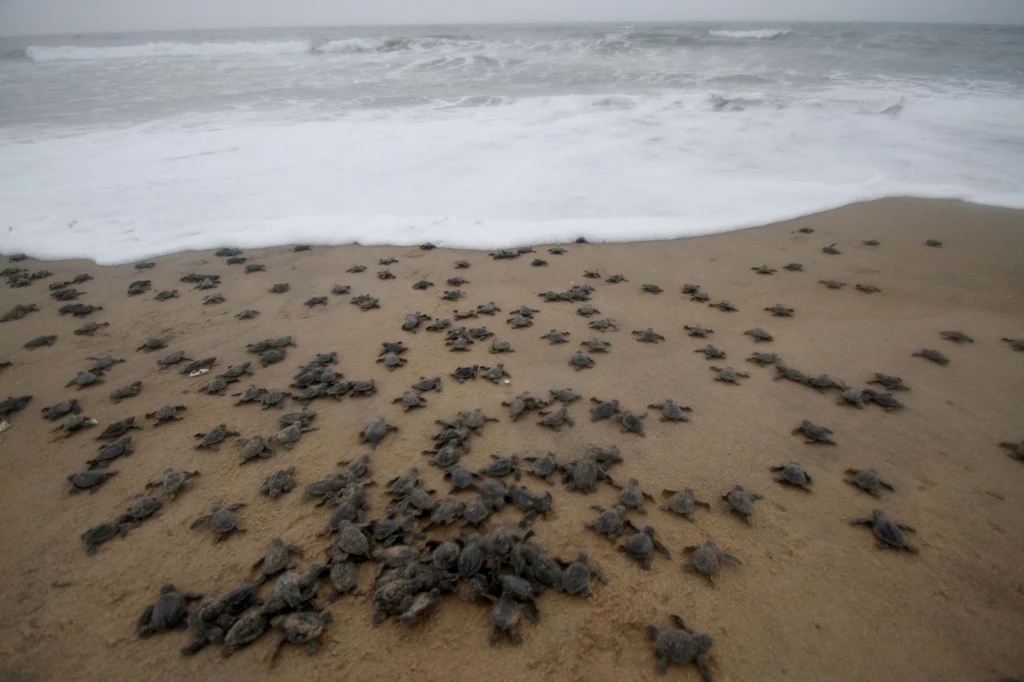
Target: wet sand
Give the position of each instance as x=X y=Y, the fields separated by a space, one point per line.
x=814 y=598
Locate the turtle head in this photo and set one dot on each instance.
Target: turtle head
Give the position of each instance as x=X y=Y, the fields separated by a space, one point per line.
x=652 y=631
x=704 y=642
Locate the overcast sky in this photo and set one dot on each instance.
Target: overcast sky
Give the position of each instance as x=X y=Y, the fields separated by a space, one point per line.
x=33 y=17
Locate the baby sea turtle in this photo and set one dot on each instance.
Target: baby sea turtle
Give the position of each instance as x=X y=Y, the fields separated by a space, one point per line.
x=564 y=395
x=505 y=614
x=496 y=373
x=867 y=288
x=40 y=341
x=556 y=419
x=214 y=436
x=690 y=288
x=700 y=297
x=410 y=400
x=247 y=314
x=279 y=483
x=698 y=330
x=641 y=545
x=832 y=283
x=97 y=535
x=168 y=613
x=543 y=467
x=852 y=396
x=141 y=508
x=103 y=363
x=385 y=274
x=615 y=279
x=711 y=352
x=166 y=295
x=957 y=336
x=119 y=428
x=729 y=375
x=1016 y=344
x=602 y=325
x=555 y=336
x=889 y=533
x=255 y=447
x=587 y=311
x=831 y=249
x=172 y=481
x=603 y=409
x=213 y=299
x=428 y=384
x=453 y=295
x=1016 y=450
x=90 y=327
x=739 y=501
x=682 y=502
x=83 y=379
x=74 y=423
x=592 y=274
x=125 y=392
x=814 y=433
x=885 y=400
x=648 y=335
x=651 y=288
x=870 y=242
x=78 y=309
x=222 y=520
x=671 y=411
x=518 y=321
x=759 y=334
x=244 y=631
x=763 y=270
x=933 y=242
x=89 y=480
x=375 y=431
x=414 y=320
x=610 y=522
x=302 y=627
x=780 y=310
x=867 y=480
x=461 y=264
x=488 y=308
x=290 y=435
x=890 y=382
x=315 y=301
x=61 y=409
x=172 y=359
x=681 y=647
x=596 y=345
x=392 y=361
x=631 y=496
x=764 y=358
x=724 y=306
x=706 y=559
x=577 y=576
x=19 y=311
x=500 y=346
x=792 y=474
x=581 y=360
x=122 y=447
x=793 y=267
x=631 y=423
x=462 y=374
x=933 y=355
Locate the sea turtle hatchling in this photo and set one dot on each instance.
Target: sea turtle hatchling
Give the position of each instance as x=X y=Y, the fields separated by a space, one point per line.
x=867 y=480
x=247 y=314
x=587 y=311
x=413 y=321
x=681 y=647
x=74 y=423
x=290 y=435
x=556 y=419
x=103 y=363
x=682 y=502
x=577 y=576
x=97 y=535
x=615 y=279
x=500 y=346
x=933 y=242
x=315 y=301
x=496 y=373
x=543 y=467
x=889 y=533
x=763 y=270
x=152 y=343
x=279 y=483
x=1016 y=344
x=581 y=360
x=729 y=375
x=611 y=522
x=83 y=379
x=222 y=520
x=488 y=308
x=61 y=409
x=172 y=481
x=711 y=352
x=740 y=502
x=603 y=409
x=130 y=391
x=166 y=295
x=564 y=395
x=724 y=306
x=555 y=336
x=641 y=545
x=168 y=613
x=957 y=336
x=603 y=325
x=793 y=267
x=89 y=480
x=596 y=345
x=461 y=374
x=213 y=299
x=392 y=361
x=814 y=433
x=453 y=295
x=890 y=382
x=690 y=288
x=867 y=288
x=832 y=283
x=759 y=334
x=1016 y=450
x=505 y=614
x=41 y=341
x=933 y=355
x=90 y=327
x=779 y=310
x=884 y=400
x=122 y=447
x=518 y=321
x=852 y=396
x=631 y=423
x=410 y=400
x=831 y=249
x=698 y=330
x=214 y=436
x=592 y=274
x=648 y=335
x=375 y=431
x=119 y=428
x=792 y=474
x=428 y=384
x=302 y=627
x=671 y=411
x=631 y=496
x=651 y=288
x=172 y=359
x=707 y=560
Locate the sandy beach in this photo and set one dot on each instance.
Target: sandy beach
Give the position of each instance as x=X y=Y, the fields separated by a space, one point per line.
x=813 y=599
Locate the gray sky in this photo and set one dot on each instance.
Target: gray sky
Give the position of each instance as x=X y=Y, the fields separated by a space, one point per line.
x=33 y=17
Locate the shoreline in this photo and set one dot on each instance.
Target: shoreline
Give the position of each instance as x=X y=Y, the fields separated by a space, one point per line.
x=813 y=593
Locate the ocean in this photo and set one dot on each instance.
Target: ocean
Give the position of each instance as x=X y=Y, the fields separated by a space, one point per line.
x=121 y=147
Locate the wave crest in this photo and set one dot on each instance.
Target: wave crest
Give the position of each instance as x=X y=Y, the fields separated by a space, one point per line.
x=756 y=33
x=165 y=49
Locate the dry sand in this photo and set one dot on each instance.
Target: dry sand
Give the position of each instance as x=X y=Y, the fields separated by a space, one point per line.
x=814 y=599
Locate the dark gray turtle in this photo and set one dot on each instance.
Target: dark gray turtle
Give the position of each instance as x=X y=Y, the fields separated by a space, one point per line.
x=61 y=409
x=79 y=279
x=74 y=423
x=488 y=308
x=363 y=388
x=246 y=630
x=172 y=359
x=459 y=343
x=215 y=386
x=524 y=402
x=698 y=330
x=89 y=480
x=651 y=288
x=447 y=511
x=671 y=411
x=1016 y=450
x=832 y=283
x=410 y=400
x=365 y=302
x=213 y=299
x=729 y=375
x=475 y=420
x=152 y=343
x=759 y=334
x=250 y=394
x=290 y=435
x=557 y=251
x=814 y=433
x=119 y=428
x=453 y=295
x=90 y=327
x=957 y=336
x=496 y=373
x=341 y=289
x=315 y=301
x=564 y=395
x=499 y=346
x=706 y=559
x=476 y=511
x=592 y=274
x=682 y=502
x=227 y=252
x=889 y=533
x=779 y=310
x=141 y=508
x=792 y=474
x=556 y=337
x=462 y=374
x=428 y=384
x=207 y=283
x=583 y=474
x=641 y=545
x=13 y=404
x=690 y=289
x=414 y=320
x=587 y=310
x=356 y=269
x=385 y=274
x=793 y=267
x=78 y=309
x=422 y=285
x=831 y=249
x=1016 y=344
x=122 y=447
x=396 y=347
x=168 y=613
x=272 y=357
x=501 y=466
x=764 y=358
x=631 y=423
x=195 y=367
x=97 y=535
x=884 y=400
x=890 y=382
x=172 y=481
x=852 y=396
x=479 y=333
x=763 y=270
x=681 y=647
x=867 y=288
x=824 y=382
x=524 y=310
x=577 y=575
x=603 y=325
x=610 y=522
x=870 y=242
x=392 y=361
x=166 y=413
x=543 y=467
x=724 y=306
x=505 y=614
x=556 y=419
x=375 y=431
x=615 y=279
x=581 y=360
x=933 y=242
x=740 y=502
x=83 y=379
x=214 y=436
x=236 y=260
x=711 y=352
x=631 y=496
x=279 y=483
x=648 y=335
x=303 y=627
x=518 y=321
x=867 y=480
x=387 y=261
x=125 y=392
x=166 y=295
x=40 y=341
x=19 y=311
x=596 y=345
x=222 y=520
x=460 y=477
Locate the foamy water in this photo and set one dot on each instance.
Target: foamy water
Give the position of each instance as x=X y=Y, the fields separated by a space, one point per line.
x=123 y=148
